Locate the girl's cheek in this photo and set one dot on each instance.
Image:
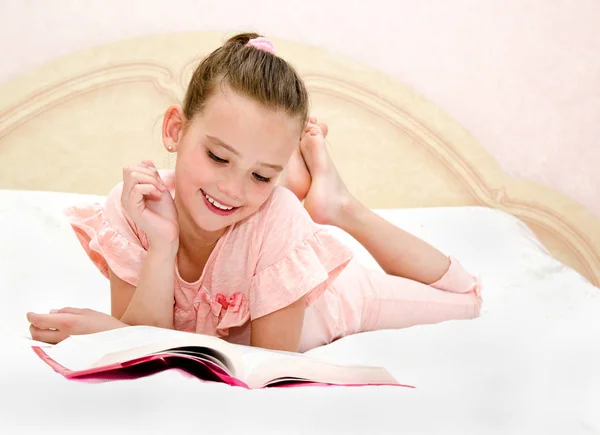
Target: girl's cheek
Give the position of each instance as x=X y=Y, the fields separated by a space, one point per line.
x=191 y=176
x=197 y=161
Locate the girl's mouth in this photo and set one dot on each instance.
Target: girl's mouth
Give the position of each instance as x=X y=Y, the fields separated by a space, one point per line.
x=217 y=207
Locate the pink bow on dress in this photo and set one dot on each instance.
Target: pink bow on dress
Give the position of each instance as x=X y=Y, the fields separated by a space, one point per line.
x=234 y=301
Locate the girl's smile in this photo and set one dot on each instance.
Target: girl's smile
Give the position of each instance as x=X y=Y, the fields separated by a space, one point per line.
x=218 y=207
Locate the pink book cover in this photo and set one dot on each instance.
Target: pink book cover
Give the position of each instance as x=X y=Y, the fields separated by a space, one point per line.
x=151 y=364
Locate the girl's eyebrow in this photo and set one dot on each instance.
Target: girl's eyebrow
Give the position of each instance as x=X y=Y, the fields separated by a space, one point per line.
x=222 y=144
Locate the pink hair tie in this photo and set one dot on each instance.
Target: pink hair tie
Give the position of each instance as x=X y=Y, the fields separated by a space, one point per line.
x=262 y=44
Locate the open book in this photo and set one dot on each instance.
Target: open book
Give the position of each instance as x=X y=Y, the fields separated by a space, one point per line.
x=136 y=351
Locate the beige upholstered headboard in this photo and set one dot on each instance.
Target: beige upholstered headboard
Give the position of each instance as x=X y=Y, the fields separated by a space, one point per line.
x=71 y=125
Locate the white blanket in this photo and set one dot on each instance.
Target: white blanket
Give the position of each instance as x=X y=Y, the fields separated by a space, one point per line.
x=529 y=364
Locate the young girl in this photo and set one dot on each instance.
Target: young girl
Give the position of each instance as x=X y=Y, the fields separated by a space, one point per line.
x=217 y=248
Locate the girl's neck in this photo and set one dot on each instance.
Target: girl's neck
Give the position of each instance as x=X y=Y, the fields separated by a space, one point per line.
x=196 y=240
x=195 y=247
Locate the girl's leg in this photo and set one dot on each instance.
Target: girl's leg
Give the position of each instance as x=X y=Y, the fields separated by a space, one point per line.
x=400 y=303
x=363 y=299
x=329 y=202
x=381 y=301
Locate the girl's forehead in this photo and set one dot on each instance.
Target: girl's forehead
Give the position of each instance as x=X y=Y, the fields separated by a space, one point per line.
x=248 y=129
x=233 y=110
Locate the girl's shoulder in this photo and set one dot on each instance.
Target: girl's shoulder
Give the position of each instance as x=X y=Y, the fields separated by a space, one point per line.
x=280 y=222
x=280 y=219
x=278 y=227
x=282 y=204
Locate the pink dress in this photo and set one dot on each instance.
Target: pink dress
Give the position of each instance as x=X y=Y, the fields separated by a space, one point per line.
x=270 y=260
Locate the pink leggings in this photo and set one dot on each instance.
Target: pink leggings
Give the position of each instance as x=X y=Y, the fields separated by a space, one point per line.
x=362 y=299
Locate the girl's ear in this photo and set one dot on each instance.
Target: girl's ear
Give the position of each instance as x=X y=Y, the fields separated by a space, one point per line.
x=172 y=129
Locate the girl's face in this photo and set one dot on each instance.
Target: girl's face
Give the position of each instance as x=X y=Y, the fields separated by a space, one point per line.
x=229 y=158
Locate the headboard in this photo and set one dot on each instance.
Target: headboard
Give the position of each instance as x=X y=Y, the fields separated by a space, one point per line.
x=72 y=124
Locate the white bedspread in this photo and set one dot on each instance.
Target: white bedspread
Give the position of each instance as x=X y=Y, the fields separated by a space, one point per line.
x=529 y=364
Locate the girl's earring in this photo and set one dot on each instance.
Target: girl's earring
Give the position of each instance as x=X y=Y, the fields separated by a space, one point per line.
x=170 y=148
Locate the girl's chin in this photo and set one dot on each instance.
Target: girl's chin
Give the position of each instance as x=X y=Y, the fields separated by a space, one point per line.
x=212 y=224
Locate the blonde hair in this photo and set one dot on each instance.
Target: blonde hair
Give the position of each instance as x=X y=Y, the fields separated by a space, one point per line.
x=254 y=73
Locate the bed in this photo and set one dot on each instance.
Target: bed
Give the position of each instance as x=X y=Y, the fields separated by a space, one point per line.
x=528 y=364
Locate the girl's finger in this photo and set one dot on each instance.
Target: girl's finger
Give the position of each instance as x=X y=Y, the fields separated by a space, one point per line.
x=42 y=321
x=129 y=177
x=153 y=172
x=148 y=163
x=71 y=310
x=160 y=179
x=137 y=168
x=46 y=321
x=46 y=335
x=145 y=190
x=53 y=321
x=150 y=170
x=141 y=178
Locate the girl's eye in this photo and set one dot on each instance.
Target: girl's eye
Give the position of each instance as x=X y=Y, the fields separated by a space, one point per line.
x=256 y=176
x=261 y=178
x=216 y=159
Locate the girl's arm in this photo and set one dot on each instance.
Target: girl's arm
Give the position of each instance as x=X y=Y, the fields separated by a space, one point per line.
x=151 y=302
x=280 y=330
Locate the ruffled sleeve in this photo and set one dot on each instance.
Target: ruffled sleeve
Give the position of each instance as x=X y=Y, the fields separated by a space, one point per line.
x=297 y=257
x=109 y=238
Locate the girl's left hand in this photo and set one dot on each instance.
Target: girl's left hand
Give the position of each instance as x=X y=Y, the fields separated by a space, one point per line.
x=60 y=324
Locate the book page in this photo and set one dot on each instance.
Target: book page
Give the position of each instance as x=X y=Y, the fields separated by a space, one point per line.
x=263 y=367
x=255 y=366
x=253 y=357
x=79 y=352
x=124 y=344
x=204 y=354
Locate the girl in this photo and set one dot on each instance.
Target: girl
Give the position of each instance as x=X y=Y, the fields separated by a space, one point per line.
x=216 y=248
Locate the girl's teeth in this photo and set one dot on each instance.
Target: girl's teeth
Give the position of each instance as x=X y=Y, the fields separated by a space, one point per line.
x=216 y=203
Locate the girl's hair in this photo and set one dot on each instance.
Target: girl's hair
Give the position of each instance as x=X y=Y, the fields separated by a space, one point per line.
x=254 y=73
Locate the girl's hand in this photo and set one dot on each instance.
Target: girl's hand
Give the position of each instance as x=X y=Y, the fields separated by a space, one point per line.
x=149 y=203
x=60 y=324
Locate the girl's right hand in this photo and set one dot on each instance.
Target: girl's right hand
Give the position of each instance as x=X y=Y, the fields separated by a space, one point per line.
x=148 y=202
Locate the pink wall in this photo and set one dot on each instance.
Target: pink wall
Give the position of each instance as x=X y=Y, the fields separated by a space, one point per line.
x=522 y=75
